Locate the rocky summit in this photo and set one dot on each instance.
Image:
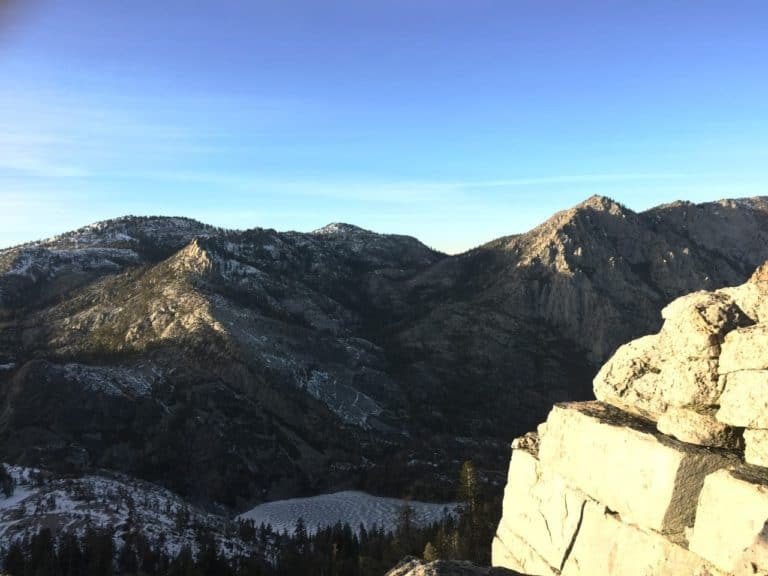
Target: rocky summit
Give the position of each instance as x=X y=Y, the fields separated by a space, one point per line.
x=234 y=367
x=666 y=473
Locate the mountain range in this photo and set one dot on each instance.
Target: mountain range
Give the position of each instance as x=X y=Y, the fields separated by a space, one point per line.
x=235 y=367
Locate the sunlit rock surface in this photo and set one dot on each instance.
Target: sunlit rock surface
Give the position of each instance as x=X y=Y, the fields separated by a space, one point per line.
x=667 y=473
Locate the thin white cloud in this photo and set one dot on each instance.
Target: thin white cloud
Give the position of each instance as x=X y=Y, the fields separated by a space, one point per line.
x=35 y=154
x=33 y=165
x=573 y=179
x=395 y=191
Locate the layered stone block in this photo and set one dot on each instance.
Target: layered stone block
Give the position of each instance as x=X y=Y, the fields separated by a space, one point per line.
x=656 y=469
x=548 y=508
x=678 y=367
x=745 y=349
x=730 y=529
x=699 y=427
x=756 y=447
x=750 y=297
x=513 y=553
x=744 y=401
x=624 y=463
x=608 y=546
x=695 y=324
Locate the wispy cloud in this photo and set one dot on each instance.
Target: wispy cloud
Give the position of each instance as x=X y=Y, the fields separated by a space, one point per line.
x=572 y=179
x=31 y=163
x=34 y=154
x=394 y=190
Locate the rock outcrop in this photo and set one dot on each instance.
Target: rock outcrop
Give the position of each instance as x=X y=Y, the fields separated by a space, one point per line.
x=416 y=567
x=667 y=472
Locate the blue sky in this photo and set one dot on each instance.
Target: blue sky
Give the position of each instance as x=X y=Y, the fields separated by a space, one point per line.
x=455 y=121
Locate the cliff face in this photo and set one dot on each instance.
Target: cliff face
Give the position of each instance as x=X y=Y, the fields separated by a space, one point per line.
x=666 y=472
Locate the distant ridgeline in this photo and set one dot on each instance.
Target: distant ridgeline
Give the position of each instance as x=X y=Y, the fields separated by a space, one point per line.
x=236 y=367
x=667 y=473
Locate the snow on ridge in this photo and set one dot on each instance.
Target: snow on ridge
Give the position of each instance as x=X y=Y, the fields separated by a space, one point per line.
x=340 y=228
x=351 y=405
x=133 y=383
x=22 y=266
x=119 y=230
x=754 y=203
x=352 y=507
x=39 y=262
x=333 y=228
x=108 y=502
x=232 y=269
x=93 y=252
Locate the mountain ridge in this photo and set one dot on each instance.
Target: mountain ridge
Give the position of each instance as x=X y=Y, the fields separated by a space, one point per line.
x=276 y=364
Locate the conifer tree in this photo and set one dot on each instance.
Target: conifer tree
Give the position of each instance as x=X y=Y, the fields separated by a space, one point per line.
x=469 y=486
x=6 y=482
x=430 y=553
x=14 y=560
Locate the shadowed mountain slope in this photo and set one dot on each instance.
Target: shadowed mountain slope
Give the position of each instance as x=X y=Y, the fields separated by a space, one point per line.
x=234 y=367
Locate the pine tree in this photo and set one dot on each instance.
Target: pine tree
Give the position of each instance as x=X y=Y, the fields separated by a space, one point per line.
x=14 y=560
x=403 y=539
x=70 y=556
x=300 y=536
x=42 y=554
x=127 y=561
x=469 y=486
x=430 y=553
x=99 y=552
x=183 y=564
x=6 y=482
x=470 y=528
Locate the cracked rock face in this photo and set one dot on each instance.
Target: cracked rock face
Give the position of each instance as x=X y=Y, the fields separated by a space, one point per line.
x=702 y=376
x=669 y=469
x=678 y=367
x=607 y=494
x=699 y=427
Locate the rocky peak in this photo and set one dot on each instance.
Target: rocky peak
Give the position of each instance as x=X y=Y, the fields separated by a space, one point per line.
x=341 y=229
x=594 y=212
x=600 y=204
x=760 y=275
x=193 y=258
x=667 y=473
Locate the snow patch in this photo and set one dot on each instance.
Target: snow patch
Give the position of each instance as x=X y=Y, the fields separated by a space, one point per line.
x=352 y=507
x=116 y=503
x=137 y=382
x=757 y=203
x=37 y=263
x=351 y=405
x=22 y=266
x=340 y=228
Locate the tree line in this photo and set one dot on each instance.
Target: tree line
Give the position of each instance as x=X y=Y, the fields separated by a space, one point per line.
x=338 y=550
